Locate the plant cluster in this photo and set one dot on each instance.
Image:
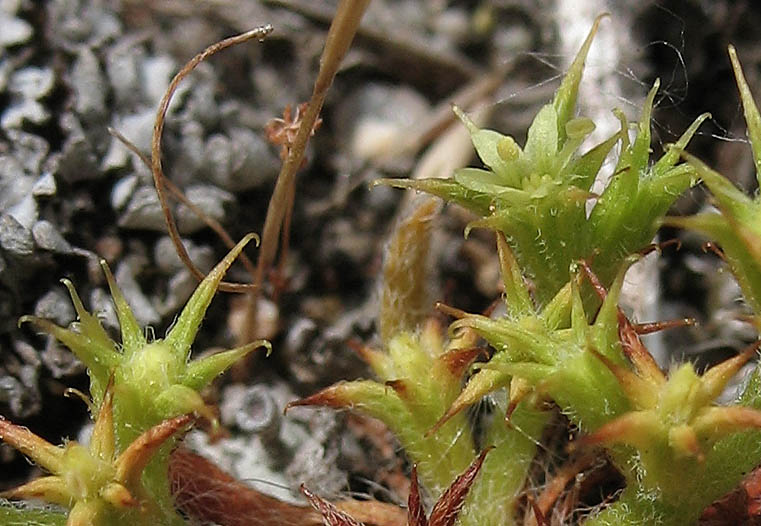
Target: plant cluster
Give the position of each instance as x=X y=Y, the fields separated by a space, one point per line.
x=562 y=343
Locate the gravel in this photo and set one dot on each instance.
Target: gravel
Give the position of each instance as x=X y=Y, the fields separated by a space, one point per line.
x=69 y=69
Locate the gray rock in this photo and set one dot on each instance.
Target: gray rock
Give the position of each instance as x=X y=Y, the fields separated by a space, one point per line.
x=15 y=239
x=89 y=86
x=370 y=120
x=47 y=237
x=80 y=22
x=6 y=68
x=60 y=361
x=56 y=306
x=210 y=199
x=157 y=72
x=201 y=105
x=138 y=302
x=143 y=211
x=185 y=167
x=11 y=170
x=29 y=149
x=179 y=290
x=27 y=353
x=123 y=71
x=166 y=258
x=240 y=161
x=22 y=400
x=77 y=161
x=25 y=211
x=102 y=304
x=45 y=186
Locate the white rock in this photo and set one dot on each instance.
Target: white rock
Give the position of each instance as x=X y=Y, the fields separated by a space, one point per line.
x=14 y=31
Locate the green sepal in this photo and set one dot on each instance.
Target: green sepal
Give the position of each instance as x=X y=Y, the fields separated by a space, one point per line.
x=99 y=359
x=564 y=102
x=750 y=110
x=133 y=338
x=447 y=189
x=200 y=372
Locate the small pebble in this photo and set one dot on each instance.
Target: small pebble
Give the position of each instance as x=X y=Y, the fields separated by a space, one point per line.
x=89 y=86
x=29 y=149
x=47 y=237
x=15 y=30
x=103 y=306
x=122 y=191
x=122 y=69
x=25 y=211
x=143 y=211
x=45 y=186
x=56 y=306
x=59 y=360
x=76 y=161
x=210 y=199
x=138 y=302
x=26 y=110
x=157 y=72
x=241 y=161
x=32 y=82
x=165 y=255
x=15 y=239
x=137 y=129
x=372 y=119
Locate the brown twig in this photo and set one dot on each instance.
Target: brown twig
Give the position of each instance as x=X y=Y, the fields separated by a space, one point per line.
x=158 y=175
x=341 y=33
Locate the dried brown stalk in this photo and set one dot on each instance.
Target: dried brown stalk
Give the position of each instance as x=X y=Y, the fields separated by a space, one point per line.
x=341 y=33
x=158 y=175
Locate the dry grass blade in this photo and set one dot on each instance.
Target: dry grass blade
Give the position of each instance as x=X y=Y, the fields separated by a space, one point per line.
x=341 y=33
x=158 y=175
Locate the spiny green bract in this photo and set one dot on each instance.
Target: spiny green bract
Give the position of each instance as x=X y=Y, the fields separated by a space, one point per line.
x=155 y=380
x=537 y=196
x=153 y=383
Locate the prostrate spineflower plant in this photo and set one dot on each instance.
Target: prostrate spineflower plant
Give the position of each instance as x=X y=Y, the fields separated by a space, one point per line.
x=143 y=389
x=537 y=195
x=558 y=343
